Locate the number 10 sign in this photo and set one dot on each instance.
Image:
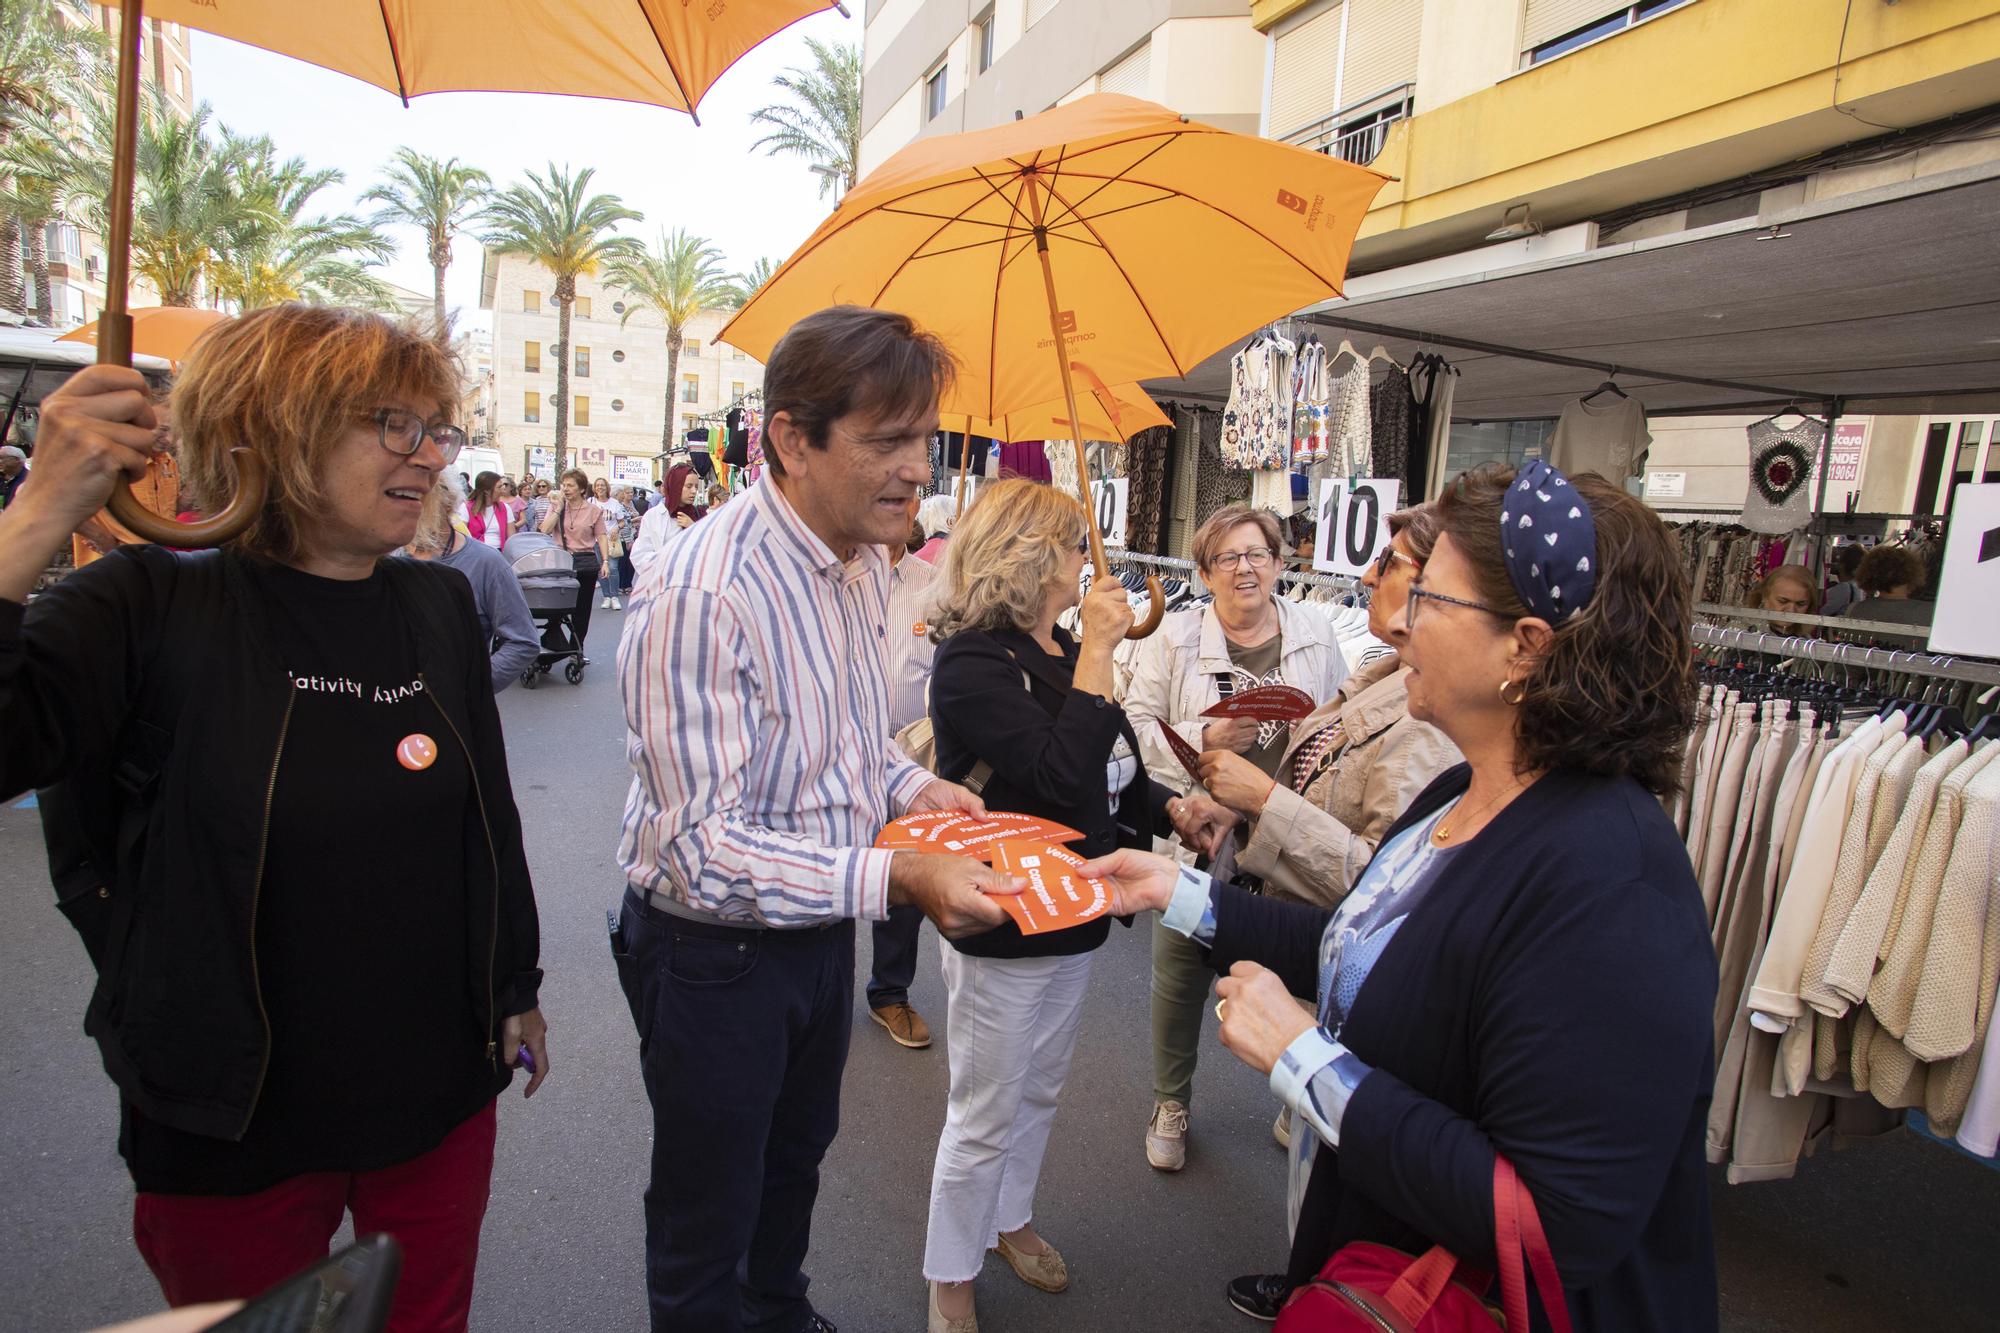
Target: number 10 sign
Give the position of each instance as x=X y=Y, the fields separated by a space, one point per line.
x=1353 y=518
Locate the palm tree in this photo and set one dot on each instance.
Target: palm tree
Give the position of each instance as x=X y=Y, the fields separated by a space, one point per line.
x=278 y=253
x=823 y=120
x=438 y=198
x=557 y=223
x=680 y=277
x=745 y=285
x=42 y=58
x=30 y=202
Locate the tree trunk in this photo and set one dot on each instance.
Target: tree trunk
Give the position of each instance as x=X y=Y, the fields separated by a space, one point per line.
x=565 y=298
x=667 y=432
x=440 y=261
x=13 y=292
x=36 y=242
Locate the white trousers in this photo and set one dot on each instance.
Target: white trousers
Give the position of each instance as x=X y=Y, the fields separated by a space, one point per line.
x=1009 y=1034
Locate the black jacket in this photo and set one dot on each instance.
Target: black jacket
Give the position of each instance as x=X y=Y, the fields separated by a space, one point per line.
x=1048 y=745
x=1552 y=997
x=144 y=696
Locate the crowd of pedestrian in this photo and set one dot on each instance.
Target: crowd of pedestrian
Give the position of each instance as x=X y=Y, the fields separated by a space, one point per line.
x=1445 y=914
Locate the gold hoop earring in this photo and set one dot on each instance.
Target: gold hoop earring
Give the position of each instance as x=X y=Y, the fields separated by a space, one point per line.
x=1514 y=702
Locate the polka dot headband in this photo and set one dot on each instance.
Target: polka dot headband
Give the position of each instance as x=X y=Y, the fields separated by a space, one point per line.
x=1550 y=541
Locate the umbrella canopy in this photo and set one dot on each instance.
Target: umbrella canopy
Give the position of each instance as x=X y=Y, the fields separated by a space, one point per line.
x=1166 y=240
x=1115 y=413
x=161 y=330
x=664 y=52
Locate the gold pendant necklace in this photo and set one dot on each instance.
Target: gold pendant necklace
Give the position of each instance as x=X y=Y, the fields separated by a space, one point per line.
x=1443 y=831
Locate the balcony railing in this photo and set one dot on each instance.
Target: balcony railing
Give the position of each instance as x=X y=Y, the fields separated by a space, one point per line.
x=1357 y=132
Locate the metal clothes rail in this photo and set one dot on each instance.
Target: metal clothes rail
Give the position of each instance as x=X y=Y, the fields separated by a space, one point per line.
x=1849 y=654
x=1337 y=582
x=1849 y=624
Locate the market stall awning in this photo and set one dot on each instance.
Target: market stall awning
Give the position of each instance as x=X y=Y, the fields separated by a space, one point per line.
x=1888 y=299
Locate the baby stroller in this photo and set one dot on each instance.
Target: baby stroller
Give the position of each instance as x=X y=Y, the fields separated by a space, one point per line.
x=548 y=581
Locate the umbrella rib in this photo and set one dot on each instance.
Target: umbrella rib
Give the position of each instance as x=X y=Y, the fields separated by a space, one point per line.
x=1109 y=181
x=1130 y=286
x=945 y=217
x=897 y=272
x=661 y=42
x=395 y=56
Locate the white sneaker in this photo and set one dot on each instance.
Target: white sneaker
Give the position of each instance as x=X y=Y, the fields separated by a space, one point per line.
x=604 y=605
x=1166 y=1136
x=617 y=605
x=1281 y=1128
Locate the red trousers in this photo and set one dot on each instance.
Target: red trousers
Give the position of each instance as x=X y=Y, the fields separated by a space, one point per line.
x=216 y=1247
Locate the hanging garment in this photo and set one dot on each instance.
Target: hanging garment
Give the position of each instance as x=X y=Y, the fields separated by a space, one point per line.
x=1436 y=383
x=1312 y=406
x=1257 y=423
x=1609 y=439
x=1216 y=483
x=1061 y=456
x=1782 y=462
x=1392 y=410
x=1025 y=458
x=1149 y=475
x=1349 y=443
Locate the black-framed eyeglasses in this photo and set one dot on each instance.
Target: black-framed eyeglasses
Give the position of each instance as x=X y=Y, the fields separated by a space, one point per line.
x=1260 y=558
x=1419 y=594
x=403 y=433
x=1083 y=547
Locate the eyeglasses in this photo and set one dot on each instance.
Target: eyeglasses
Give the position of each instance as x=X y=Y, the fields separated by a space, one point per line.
x=403 y=434
x=1083 y=547
x=1390 y=555
x=1260 y=558
x=1418 y=594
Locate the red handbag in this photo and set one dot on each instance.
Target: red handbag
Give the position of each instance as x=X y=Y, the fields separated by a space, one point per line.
x=1368 y=1288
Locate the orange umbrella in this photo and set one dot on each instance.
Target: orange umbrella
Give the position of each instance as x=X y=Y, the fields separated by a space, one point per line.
x=1108 y=414
x=656 y=51
x=1109 y=228
x=161 y=330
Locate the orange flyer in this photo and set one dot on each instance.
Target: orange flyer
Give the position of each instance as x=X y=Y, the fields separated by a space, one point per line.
x=958 y=833
x=1056 y=897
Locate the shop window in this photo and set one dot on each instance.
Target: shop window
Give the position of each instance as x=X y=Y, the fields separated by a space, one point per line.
x=1545 y=15
x=582 y=404
x=583 y=362
x=531 y=358
x=934 y=94
x=531 y=302
x=531 y=408
x=583 y=307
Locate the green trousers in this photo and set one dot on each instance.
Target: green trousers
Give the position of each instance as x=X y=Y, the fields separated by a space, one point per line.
x=1182 y=980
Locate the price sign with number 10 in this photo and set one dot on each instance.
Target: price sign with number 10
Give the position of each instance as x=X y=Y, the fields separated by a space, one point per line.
x=1108 y=499
x=1353 y=518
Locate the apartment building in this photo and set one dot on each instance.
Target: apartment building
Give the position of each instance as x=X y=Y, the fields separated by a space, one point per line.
x=942 y=66
x=619 y=403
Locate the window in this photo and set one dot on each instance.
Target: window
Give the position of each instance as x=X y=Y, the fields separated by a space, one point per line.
x=1552 y=27
x=736 y=354
x=982 y=43
x=583 y=307
x=934 y=94
x=178 y=81
x=618 y=355
x=531 y=357
x=531 y=410
x=690 y=388
x=583 y=362
x=735 y=391
x=582 y=404
x=690 y=347
x=689 y=422
x=531 y=303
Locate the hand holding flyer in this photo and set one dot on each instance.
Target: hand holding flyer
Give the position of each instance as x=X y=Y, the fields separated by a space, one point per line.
x=1057 y=897
x=1266 y=703
x=1190 y=757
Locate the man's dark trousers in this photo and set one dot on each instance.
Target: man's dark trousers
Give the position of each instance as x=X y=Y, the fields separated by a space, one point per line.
x=743 y=1036
x=895 y=957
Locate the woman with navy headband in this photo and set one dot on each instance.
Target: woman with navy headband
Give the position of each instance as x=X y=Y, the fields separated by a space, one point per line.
x=1524 y=969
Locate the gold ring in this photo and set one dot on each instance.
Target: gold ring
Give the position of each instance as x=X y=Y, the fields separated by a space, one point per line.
x=1220 y=1005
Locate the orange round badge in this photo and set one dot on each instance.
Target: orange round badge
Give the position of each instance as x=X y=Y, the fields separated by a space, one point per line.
x=416 y=752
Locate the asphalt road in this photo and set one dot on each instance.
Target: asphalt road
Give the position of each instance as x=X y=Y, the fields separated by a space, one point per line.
x=1894 y=1235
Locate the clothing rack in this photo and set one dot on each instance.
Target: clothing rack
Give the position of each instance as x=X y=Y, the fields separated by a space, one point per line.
x=1337 y=582
x=1849 y=654
x=1851 y=624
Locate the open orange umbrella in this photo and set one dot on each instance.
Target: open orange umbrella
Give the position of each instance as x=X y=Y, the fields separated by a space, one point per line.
x=1109 y=229
x=664 y=52
x=1107 y=414
x=161 y=330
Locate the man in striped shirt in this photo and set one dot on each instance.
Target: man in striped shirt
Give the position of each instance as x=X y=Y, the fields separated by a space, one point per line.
x=755 y=678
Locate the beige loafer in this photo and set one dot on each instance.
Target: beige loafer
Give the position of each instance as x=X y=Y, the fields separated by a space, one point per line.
x=1045 y=1270
x=939 y=1324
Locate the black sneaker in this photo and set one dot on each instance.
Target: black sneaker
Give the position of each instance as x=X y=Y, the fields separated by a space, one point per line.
x=1261 y=1295
x=817 y=1323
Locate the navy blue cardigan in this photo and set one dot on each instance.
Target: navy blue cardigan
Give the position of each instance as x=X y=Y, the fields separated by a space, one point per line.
x=1551 y=997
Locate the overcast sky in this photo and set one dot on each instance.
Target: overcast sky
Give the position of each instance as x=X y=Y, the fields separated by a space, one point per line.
x=707 y=180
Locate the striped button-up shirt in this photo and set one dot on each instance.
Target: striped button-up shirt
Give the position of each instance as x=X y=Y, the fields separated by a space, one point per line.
x=755 y=677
